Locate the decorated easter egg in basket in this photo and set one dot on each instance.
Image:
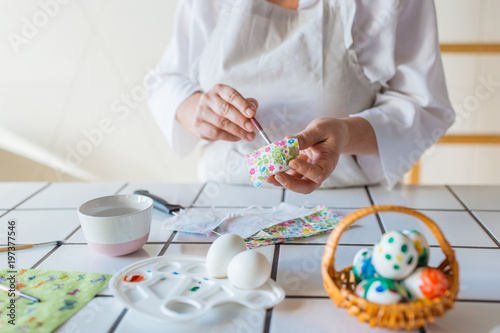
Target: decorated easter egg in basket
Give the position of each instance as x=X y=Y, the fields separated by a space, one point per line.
x=394 y=256
x=421 y=245
x=362 y=266
x=426 y=283
x=382 y=291
x=392 y=299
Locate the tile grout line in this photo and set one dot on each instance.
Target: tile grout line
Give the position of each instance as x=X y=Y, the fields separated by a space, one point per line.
x=71 y=234
x=198 y=195
x=167 y=244
x=118 y=320
x=478 y=301
x=29 y=197
x=44 y=208
x=46 y=256
x=121 y=188
x=274 y=273
x=372 y=202
x=481 y=225
x=227 y=207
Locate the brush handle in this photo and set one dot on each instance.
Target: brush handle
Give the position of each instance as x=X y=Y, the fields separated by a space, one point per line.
x=17 y=291
x=16 y=248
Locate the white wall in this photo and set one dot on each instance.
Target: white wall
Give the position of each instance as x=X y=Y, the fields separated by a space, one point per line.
x=468 y=21
x=65 y=77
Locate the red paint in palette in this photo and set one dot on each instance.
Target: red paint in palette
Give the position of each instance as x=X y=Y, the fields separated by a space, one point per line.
x=133 y=278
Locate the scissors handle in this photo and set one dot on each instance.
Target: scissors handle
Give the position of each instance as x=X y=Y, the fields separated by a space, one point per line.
x=160 y=203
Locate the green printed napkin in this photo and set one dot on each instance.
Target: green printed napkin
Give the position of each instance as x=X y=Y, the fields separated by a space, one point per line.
x=319 y=222
x=61 y=293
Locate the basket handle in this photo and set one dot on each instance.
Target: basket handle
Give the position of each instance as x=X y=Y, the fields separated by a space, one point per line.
x=328 y=256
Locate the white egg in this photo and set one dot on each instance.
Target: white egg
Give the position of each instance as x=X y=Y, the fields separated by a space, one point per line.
x=394 y=256
x=248 y=270
x=221 y=252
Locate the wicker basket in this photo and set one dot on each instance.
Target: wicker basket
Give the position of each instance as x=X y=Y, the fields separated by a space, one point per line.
x=340 y=285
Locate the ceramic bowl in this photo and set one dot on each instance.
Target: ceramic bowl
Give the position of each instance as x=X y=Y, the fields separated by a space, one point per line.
x=118 y=224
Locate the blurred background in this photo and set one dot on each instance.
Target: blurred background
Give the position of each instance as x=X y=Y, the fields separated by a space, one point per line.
x=72 y=104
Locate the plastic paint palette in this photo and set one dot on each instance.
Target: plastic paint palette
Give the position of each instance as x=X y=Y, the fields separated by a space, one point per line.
x=178 y=288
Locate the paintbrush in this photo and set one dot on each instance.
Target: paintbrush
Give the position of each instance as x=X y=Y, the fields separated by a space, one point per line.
x=29 y=246
x=260 y=130
x=16 y=291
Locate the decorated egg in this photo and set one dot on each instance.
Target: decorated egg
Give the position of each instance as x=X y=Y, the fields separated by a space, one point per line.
x=381 y=291
x=362 y=265
x=426 y=283
x=420 y=244
x=394 y=256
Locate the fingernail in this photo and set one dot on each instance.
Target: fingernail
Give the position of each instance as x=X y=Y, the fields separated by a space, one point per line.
x=249 y=126
x=250 y=136
x=280 y=179
x=249 y=112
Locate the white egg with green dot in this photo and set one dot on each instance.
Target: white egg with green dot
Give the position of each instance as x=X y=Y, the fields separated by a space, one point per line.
x=420 y=244
x=394 y=256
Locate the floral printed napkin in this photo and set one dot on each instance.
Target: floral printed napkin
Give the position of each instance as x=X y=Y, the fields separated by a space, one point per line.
x=271 y=159
x=61 y=295
x=319 y=222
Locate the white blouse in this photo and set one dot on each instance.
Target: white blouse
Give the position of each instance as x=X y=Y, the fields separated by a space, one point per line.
x=396 y=44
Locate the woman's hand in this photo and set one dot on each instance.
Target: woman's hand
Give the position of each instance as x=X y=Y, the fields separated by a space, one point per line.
x=321 y=144
x=219 y=114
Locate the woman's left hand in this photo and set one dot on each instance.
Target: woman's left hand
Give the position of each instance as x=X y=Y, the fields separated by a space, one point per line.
x=320 y=147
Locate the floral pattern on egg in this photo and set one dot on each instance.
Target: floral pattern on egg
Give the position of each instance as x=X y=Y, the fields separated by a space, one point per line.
x=271 y=159
x=394 y=256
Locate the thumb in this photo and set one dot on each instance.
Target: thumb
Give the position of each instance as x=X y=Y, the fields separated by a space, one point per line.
x=308 y=137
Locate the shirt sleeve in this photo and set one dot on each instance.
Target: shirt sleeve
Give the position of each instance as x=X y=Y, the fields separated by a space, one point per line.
x=174 y=79
x=412 y=111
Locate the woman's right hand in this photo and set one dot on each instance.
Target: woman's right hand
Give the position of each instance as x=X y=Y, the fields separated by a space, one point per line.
x=219 y=114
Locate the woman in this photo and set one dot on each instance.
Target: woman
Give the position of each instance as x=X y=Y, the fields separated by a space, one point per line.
x=360 y=83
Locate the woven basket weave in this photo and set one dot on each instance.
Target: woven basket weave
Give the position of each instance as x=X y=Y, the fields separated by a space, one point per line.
x=340 y=285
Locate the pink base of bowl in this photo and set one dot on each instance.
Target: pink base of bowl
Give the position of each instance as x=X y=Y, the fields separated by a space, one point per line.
x=119 y=249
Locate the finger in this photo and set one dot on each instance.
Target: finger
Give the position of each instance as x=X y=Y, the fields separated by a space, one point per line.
x=234 y=98
x=254 y=103
x=310 y=136
x=209 y=116
x=316 y=172
x=294 y=173
x=295 y=184
x=225 y=109
x=273 y=181
x=210 y=132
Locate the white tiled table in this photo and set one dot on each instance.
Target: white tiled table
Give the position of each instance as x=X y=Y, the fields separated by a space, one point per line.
x=469 y=217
